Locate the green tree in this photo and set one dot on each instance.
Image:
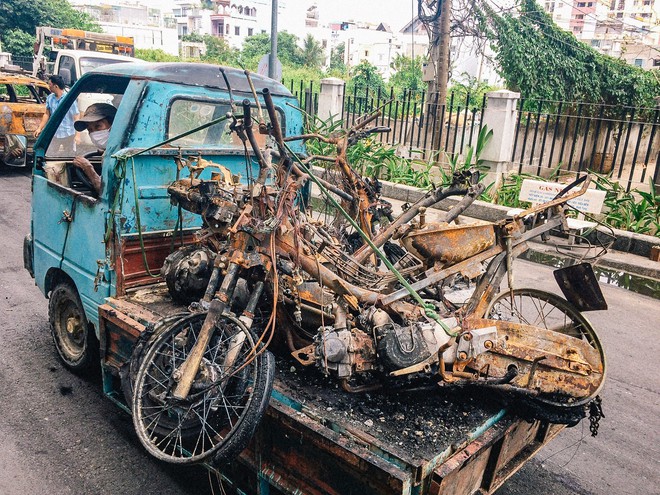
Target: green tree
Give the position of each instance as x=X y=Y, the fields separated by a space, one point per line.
x=258 y=45
x=20 y=18
x=219 y=52
x=312 y=55
x=542 y=61
x=466 y=85
x=408 y=74
x=363 y=76
x=155 y=55
x=18 y=42
x=337 y=56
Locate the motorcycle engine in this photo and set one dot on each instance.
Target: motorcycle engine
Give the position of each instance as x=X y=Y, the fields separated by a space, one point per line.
x=345 y=352
x=403 y=346
x=187 y=272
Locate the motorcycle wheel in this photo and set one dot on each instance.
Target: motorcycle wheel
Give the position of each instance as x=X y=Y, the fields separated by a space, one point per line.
x=551 y=312
x=225 y=404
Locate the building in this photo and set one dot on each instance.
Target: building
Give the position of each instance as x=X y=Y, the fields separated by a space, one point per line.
x=149 y=27
x=235 y=20
x=626 y=29
x=191 y=18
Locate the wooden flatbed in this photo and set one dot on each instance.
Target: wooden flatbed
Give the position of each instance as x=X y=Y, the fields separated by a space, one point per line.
x=318 y=439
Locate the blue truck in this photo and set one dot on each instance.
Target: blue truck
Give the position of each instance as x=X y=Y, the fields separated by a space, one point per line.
x=96 y=254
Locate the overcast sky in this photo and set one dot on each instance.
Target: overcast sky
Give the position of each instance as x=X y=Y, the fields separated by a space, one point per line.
x=396 y=13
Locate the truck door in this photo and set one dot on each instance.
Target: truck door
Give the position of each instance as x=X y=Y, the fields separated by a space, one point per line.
x=68 y=218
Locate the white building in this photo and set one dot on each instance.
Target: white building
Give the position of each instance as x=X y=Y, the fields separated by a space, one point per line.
x=149 y=27
x=626 y=29
x=235 y=20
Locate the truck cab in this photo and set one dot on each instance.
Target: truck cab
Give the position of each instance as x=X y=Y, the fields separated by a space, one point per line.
x=73 y=64
x=98 y=245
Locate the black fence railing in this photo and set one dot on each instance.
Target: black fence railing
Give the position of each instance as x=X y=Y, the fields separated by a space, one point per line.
x=307 y=95
x=23 y=62
x=413 y=117
x=576 y=137
x=419 y=124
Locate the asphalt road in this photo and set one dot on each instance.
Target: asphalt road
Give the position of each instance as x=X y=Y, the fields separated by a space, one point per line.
x=59 y=435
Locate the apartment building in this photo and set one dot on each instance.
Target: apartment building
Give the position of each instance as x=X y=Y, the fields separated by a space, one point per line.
x=150 y=28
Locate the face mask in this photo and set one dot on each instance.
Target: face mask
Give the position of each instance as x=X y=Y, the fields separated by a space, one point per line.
x=100 y=138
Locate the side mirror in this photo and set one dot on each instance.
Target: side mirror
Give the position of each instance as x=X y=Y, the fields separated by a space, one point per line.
x=15 y=150
x=65 y=74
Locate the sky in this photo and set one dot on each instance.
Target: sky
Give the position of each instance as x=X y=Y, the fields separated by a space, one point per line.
x=396 y=13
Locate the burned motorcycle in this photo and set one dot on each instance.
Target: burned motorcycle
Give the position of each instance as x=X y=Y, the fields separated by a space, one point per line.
x=376 y=316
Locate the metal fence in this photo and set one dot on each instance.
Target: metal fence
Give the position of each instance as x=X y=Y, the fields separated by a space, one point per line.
x=412 y=116
x=617 y=140
x=23 y=62
x=570 y=136
x=415 y=117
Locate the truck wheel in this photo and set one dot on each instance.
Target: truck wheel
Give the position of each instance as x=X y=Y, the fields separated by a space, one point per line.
x=74 y=338
x=225 y=404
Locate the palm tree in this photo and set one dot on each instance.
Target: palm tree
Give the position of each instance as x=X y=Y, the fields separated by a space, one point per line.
x=312 y=53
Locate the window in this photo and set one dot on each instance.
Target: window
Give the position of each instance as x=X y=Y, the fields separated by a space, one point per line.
x=250 y=31
x=656 y=62
x=595 y=43
x=237 y=30
x=581 y=4
x=639 y=62
x=226 y=28
x=187 y=114
x=68 y=70
x=579 y=16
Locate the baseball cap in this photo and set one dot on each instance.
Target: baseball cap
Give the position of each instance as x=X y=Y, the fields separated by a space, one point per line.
x=95 y=112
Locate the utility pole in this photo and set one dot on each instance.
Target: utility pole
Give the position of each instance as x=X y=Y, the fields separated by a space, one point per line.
x=272 y=59
x=440 y=44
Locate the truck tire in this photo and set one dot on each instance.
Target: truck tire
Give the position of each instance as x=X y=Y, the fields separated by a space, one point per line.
x=224 y=407
x=72 y=334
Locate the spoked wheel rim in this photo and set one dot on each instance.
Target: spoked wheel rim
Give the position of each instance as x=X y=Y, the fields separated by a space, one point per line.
x=220 y=401
x=549 y=311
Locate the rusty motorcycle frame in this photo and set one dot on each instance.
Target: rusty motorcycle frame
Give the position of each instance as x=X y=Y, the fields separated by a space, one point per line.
x=279 y=279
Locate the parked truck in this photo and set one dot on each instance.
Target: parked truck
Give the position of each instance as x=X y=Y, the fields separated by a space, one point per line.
x=71 y=53
x=97 y=256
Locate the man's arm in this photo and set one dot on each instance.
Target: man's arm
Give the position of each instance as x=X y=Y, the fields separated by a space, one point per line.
x=42 y=124
x=86 y=166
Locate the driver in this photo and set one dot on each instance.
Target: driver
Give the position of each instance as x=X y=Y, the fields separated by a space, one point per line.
x=98 y=119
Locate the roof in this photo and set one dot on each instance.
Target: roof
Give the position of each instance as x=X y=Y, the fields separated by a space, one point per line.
x=94 y=54
x=14 y=78
x=193 y=74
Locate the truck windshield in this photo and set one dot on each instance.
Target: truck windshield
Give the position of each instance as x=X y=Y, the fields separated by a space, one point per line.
x=187 y=114
x=89 y=63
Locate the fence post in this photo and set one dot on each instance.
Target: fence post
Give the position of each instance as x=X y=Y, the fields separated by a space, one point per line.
x=500 y=116
x=331 y=98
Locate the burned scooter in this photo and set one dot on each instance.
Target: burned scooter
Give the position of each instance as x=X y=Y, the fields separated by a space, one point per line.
x=276 y=273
